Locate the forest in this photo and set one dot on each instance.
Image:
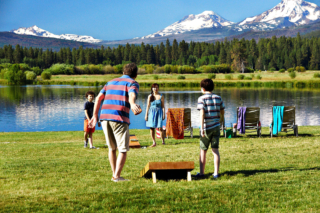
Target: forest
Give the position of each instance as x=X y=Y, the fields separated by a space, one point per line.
x=265 y=54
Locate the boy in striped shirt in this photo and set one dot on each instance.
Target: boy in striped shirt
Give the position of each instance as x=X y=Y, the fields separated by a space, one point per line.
x=211 y=109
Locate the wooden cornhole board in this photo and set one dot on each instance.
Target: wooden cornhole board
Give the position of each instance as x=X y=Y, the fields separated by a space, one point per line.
x=134 y=143
x=168 y=170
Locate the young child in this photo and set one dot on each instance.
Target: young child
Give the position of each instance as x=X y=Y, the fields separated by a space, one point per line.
x=88 y=111
x=211 y=109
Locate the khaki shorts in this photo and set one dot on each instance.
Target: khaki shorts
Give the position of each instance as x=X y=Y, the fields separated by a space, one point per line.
x=117 y=135
x=211 y=138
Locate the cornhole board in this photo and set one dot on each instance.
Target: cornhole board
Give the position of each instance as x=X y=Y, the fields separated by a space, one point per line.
x=168 y=170
x=134 y=142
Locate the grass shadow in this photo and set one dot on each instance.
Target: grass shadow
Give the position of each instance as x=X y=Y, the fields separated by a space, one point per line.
x=248 y=173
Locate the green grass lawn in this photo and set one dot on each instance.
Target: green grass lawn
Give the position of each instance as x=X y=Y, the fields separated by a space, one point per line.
x=51 y=171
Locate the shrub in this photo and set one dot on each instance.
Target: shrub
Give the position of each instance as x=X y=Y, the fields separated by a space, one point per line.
x=292 y=74
x=259 y=77
x=9 y=75
x=167 y=68
x=290 y=70
x=24 y=67
x=252 y=76
x=249 y=70
x=212 y=76
x=155 y=77
x=247 y=78
x=37 y=70
x=159 y=70
x=20 y=77
x=316 y=75
x=222 y=68
x=61 y=69
x=186 y=69
x=282 y=70
x=300 y=69
x=108 y=69
x=228 y=77
x=148 y=67
x=30 y=75
x=94 y=69
x=2 y=73
x=272 y=69
x=240 y=77
x=46 y=75
x=181 y=77
x=118 y=68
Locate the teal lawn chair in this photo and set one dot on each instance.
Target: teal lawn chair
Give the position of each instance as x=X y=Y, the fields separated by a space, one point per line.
x=288 y=121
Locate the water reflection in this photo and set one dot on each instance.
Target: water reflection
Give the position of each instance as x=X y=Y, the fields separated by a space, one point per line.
x=60 y=108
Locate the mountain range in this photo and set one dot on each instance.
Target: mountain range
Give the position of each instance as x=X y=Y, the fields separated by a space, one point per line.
x=286 y=18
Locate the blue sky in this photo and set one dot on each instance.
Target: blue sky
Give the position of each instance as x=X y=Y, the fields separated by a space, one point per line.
x=118 y=19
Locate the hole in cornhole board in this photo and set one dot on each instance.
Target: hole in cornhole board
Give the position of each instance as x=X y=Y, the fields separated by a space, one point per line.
x=168 y=170
x=134 y=142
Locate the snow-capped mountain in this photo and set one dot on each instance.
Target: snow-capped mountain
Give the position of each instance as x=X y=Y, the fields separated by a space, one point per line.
x=207 y=19
x=36 y=31
x=286 y=13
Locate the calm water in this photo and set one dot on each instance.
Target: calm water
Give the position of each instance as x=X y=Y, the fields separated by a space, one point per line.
x=60 y=108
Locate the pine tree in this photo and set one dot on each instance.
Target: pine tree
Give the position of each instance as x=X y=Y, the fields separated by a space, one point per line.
x=174 y=51
x=168 y=52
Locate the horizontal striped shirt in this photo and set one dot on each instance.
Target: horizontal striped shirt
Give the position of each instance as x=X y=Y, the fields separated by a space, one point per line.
x=211 y=104
x=116 y=106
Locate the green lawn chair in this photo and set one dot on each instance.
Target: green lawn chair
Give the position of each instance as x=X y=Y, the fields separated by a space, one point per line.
x=252 y=123
x=289 y=121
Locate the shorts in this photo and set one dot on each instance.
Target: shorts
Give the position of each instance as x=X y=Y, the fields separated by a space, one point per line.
x=211 y=138
x=117 y=135
x=87 y=129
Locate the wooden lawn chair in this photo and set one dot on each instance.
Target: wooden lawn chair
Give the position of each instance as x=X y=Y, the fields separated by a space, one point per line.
x=187 y=122
x=289 y=121
x=252 y=120
x=223 y=128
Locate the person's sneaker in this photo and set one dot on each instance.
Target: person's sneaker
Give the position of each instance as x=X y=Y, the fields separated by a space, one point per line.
x=198 y=175
x=85 y=144
x=120 y=179
x=93 y=147
x=215 y=176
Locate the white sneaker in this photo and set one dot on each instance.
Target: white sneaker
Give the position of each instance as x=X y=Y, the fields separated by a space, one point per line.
x=120 y=179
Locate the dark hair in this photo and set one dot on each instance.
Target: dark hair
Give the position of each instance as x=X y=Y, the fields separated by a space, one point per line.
x=207 y=84
x=90 y=93
x=152 y=96
x=131 y=70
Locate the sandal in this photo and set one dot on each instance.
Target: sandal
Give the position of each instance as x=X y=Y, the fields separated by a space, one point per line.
x=153 y=145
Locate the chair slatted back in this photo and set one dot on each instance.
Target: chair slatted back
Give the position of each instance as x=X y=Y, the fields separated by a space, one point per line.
x=289 y=116
x=252 y=116
x=187 y=117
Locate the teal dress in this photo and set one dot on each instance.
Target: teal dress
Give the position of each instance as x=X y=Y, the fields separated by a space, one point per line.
x=155 y=114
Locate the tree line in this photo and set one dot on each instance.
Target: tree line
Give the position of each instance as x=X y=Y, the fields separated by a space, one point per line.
x=264 y=54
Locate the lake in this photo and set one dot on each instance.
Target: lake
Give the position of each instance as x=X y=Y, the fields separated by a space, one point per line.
x=60 y=108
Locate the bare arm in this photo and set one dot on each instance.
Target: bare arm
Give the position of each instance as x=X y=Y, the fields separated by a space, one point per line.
x=202 y=122
x=94 y=119
x=148 y=107
x=86 y=113
x=132 y=100
x=221 y=115
x=163 y=108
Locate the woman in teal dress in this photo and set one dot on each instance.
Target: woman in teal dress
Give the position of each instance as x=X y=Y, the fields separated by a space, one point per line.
x=155 y=113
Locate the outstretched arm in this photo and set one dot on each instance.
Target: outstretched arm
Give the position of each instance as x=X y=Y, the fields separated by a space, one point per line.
x=202 y=122
x=163 y=108
x=94 y=119
x=147 y=110
x=132 y=100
